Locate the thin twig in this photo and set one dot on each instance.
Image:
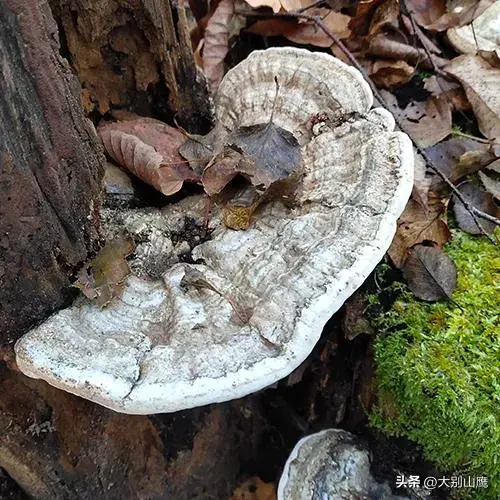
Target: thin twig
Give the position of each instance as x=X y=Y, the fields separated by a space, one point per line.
x=317 y=3
x=459 y=133
x=486 y=216
x=475 y=213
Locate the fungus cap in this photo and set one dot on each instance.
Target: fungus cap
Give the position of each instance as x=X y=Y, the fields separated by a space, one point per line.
x=330 y=465
x=168 y=344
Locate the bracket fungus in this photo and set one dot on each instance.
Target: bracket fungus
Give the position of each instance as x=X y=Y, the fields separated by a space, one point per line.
x=248 y=306
x=330 y=465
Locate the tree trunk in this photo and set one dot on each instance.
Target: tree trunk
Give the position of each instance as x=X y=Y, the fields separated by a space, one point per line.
x=57 y=446
x=50 y=170
x=135 y=55
x=52 y=444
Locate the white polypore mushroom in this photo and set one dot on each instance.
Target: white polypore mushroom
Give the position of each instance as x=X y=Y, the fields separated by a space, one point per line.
x=330 y=465
x=253 y=307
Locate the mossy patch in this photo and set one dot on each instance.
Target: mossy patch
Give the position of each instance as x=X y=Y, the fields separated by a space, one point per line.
x=438 y=367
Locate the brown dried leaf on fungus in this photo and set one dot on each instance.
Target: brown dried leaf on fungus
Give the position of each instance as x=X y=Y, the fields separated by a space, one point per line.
x=480 y=199
x=216 y=42
x=430 y=273
x=418 y=224
x=263 y=155
x=481 y=81
x=428 y=122
x=148 y=149
x=102 y=278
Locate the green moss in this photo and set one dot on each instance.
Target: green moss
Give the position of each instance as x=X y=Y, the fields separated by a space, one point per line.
x=438 y=367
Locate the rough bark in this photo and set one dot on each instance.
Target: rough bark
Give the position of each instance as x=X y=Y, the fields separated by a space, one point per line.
x=57 y=446
x=135 y=55
x=50 y=169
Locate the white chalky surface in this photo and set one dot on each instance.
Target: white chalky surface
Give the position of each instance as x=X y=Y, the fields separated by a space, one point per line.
x=164 y=347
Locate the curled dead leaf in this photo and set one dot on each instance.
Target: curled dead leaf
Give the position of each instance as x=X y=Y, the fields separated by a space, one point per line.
x=386 y=47
x=430 y=273
x=263 y=154
x=386 y=16
x=360 y=23
x=148 y=149
x=481 y=82
x=389 y=74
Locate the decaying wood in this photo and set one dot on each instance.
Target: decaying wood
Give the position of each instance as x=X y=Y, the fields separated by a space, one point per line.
x=57 y=446
x=50 y=169
x=126 y=52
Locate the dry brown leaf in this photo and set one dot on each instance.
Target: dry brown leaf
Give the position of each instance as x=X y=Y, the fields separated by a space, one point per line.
x=216 y=42
x=478 y=198
x=448 y=90
x=389 y=48
x=305 y=33
x=481 y=82
x=472 y=161
x=263 y=154
x=389 y=74
x=102 y=278
x=292 y=5
x=416 y=225
x=433 y=15
x=428 y=122
x=308 y=33
x=385 y=16
x=254 y=489
x=426 y=12
x=430 y=273
x=360 y=23
x=273 y=4
x=446 y=155
x=148 y=149
x=414 y=30
x=491 y=184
